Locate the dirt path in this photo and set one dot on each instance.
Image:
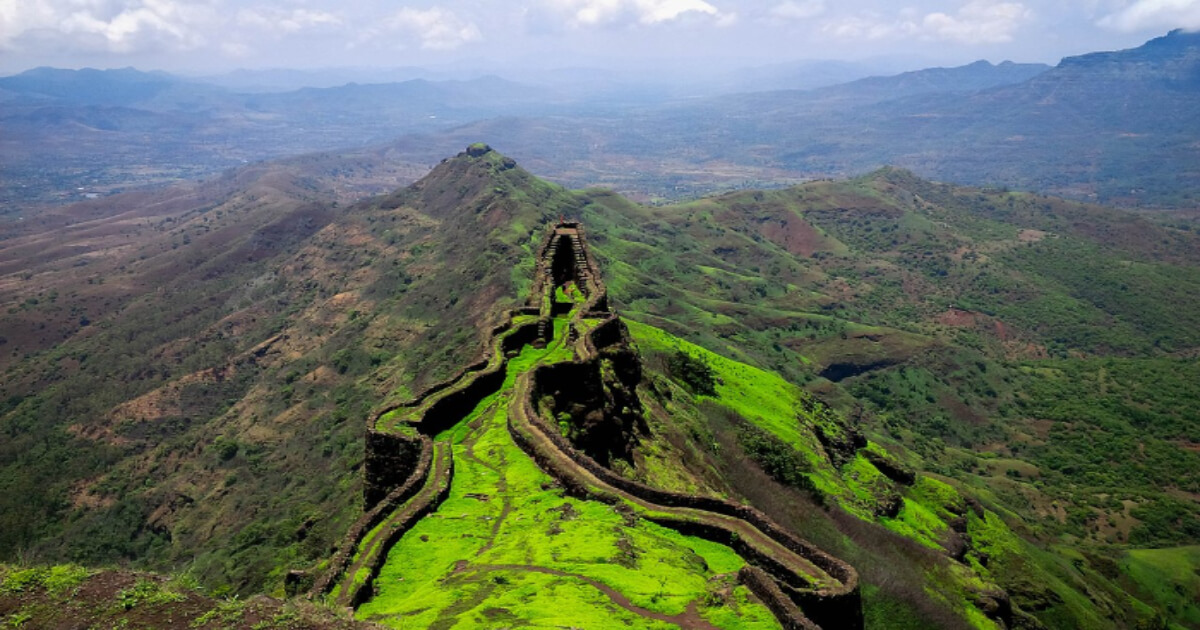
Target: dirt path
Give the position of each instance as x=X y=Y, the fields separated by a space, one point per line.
x=502 y=482
x=689 y=618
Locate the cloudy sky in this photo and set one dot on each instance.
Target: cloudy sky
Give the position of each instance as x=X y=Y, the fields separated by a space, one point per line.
x=216 y=35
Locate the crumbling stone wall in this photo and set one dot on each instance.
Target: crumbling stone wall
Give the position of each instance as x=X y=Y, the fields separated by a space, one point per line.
x=417 y=475
x=390 y=462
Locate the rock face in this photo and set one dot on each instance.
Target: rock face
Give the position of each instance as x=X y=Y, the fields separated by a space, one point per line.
x=478 y=149
x=596 y=404
x=390 y=460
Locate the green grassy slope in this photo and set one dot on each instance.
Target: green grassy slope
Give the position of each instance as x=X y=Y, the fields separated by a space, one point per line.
x=1035 y=353
x=186 y=379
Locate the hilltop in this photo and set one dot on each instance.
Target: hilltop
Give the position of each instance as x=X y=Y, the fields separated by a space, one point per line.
x=980 y=400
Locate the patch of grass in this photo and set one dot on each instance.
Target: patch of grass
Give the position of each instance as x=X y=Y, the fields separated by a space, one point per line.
x=1169 y=580
x=19 y=580
x=64 y=578
x=226 y=613
x=146 y=591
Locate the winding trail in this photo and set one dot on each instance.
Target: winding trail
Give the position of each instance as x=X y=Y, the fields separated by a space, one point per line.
x=502 y=480
x=689 y=618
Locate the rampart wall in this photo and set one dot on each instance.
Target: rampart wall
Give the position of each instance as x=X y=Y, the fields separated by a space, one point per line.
x=400 y=488
x=830 y=606
x=418 y=472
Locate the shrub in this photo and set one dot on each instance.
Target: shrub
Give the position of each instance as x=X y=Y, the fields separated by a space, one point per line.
x=778 y=459
x=146 y=591
x=693 y=372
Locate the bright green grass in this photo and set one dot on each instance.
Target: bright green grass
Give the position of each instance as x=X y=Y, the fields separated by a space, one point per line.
x=449 y=570
x=575 y=296
x=1171 y=579
x=759 y=396
x=369 y=542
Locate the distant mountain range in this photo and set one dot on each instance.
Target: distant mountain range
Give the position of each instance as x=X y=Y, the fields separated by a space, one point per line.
x=1114 y=126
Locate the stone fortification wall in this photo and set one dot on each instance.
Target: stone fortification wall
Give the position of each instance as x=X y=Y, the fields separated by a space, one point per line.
x=836 y=606
x=434 y=492
x=397 y=465
x=781 y=605
x=387 y=459
x=417 y=473
x=390 y=462
x=783 y=587
x=407 y=477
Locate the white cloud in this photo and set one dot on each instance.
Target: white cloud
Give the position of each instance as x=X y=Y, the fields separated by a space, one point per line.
x=284 y=21
x=979 y=22
x=798 y=10
x=118 y=26
x=1155 y=14
x=438 y=29
x=976 y=22
x=871 y=26
x=579 y=13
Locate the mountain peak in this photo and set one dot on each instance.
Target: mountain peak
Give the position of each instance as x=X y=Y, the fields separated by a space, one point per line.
x=479 y=149
x=479 y=182
x=1176 y=47
x=478 y=155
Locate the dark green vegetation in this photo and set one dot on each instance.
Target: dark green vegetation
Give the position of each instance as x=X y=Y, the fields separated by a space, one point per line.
x=1034 y=360
x=70 y=596
x=238 y=334
x=1038 y=354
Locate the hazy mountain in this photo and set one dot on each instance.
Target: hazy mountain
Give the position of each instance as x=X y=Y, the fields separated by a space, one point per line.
x=980 y=75
x=66 y=133
x=290 y=80
x=126 y=86
x=1115 y=126
x=1124 y=115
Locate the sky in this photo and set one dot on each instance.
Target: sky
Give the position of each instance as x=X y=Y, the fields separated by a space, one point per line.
x=198 y=36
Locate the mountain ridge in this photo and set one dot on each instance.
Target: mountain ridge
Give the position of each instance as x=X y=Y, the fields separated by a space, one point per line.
x=939 y=303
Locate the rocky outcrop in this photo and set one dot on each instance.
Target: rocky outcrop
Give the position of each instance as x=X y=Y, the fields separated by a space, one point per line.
x=390 y=461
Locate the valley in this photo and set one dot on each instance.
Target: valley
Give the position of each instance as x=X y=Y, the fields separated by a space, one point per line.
x=67 y=135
